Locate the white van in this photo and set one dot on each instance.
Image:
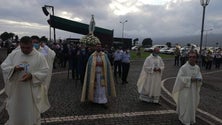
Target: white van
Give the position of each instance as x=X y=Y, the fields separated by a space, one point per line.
x=154 y=46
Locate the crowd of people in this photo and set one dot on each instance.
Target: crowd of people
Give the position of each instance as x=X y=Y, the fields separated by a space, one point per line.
x=28 y=68
x=208 y=58
x=75 y=56
x=27 y=72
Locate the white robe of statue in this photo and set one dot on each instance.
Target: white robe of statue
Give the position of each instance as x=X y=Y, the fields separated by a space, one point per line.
x=149 y=82
x=186 y=93
x=24 y=101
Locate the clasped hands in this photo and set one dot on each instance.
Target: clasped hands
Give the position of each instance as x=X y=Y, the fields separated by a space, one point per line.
x=196 y=79
x=26 y=76
x=18 y=68
x=157 y=70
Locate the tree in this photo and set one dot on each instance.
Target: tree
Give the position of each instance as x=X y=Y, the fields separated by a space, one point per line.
x=5 y=36
x=11 y=35
x=217 y=44
x=147 y=42
x=169 y=44
x=44 y=39
x=188 y=44
x=8 y=38
x=16 y=37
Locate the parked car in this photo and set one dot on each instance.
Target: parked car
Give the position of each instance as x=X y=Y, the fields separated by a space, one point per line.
x=164 y=50
x=154 y=46
x=170 y=51
x=188 y=48
x=135 y=48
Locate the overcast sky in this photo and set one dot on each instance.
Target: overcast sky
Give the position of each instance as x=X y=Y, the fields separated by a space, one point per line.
x=145 y=18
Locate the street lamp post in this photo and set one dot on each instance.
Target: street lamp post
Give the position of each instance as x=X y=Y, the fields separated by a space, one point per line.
x=203 y=3
x=206 y=36
x=47 y=13
x=123 y=28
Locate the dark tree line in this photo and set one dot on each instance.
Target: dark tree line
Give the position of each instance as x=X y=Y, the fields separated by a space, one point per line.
x=5 y=36
x=8 y=38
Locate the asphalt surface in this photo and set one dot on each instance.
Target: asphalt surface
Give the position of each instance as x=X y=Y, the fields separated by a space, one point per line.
x=126 y=108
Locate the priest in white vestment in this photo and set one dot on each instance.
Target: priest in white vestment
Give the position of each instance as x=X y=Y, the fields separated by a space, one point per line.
x=186 y=90
x=49 y=56
x=149 y=82
x=24 y=71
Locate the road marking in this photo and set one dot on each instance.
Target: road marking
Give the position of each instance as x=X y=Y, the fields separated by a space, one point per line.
x=212 y=72
x=104 y=116
x=201 y=111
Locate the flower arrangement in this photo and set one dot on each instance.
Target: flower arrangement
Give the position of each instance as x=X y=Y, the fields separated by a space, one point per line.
x=89 y=40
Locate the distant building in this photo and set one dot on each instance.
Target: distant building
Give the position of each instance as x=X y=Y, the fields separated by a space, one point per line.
x=73 y=41
x=122 y=42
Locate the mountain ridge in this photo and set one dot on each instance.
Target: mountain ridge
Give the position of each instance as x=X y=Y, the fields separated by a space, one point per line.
x=212 y=39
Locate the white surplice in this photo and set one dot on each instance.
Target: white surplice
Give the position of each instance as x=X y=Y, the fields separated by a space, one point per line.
x=186 y=93
x=24 y=99
x=49 y=56
x=149 y=82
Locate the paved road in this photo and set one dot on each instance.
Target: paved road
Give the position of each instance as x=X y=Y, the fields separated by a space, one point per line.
x=66 y=109
x=210 y=107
